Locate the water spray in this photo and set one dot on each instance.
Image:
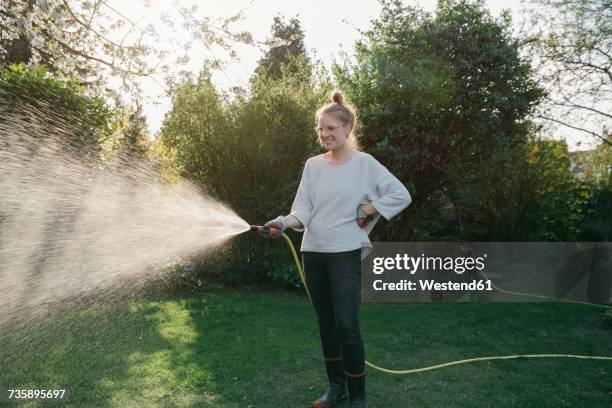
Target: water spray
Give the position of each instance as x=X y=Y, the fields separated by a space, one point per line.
x=78 y=224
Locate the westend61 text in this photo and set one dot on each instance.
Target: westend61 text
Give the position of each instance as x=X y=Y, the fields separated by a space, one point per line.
x=429 y=284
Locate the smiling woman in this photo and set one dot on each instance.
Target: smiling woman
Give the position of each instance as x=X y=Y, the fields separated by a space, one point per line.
x=341 y=196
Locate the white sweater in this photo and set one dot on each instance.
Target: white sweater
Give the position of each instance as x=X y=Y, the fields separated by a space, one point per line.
x=328 y=196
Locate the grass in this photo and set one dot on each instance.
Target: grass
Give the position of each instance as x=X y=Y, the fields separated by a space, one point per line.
x=237 y=349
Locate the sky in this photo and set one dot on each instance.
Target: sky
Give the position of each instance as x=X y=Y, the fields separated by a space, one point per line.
x=329 y=26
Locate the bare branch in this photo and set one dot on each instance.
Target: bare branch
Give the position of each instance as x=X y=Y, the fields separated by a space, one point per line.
x=575 y=105
x=87 y=56
x=153 y=35
x=87 y=26
x=603 y=53
x=577 y=128
x=93 y=13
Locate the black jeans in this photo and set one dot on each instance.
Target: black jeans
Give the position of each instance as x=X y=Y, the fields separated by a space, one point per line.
x=334 y=283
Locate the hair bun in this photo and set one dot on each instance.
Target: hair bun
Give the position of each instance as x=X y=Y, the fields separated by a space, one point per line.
x=337 y=97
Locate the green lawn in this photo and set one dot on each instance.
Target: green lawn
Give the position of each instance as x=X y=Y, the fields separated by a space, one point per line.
x=241 y=349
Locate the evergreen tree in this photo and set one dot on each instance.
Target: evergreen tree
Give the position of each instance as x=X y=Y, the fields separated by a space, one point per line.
x=286 y=49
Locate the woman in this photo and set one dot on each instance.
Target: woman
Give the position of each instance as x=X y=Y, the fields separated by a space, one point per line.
x=342 y=194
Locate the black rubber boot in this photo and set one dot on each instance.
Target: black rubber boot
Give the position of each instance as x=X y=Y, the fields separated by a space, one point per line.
x=336 y=391
x=356 y=389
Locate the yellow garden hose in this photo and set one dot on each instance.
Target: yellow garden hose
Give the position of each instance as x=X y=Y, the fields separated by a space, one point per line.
x=453 y=363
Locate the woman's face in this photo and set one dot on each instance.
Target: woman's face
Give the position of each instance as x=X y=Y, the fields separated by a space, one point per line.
x=332 y=132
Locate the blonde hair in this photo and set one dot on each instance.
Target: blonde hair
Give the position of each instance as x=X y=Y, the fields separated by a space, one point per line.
x=342 y=111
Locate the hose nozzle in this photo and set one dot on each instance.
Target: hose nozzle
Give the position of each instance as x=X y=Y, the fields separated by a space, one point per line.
x=265 y=231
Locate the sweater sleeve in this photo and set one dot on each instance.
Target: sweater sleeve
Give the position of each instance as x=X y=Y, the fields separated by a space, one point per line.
x=302 y=204
x=393 y=196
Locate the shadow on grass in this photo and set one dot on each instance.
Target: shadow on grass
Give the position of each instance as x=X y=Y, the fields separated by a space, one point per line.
x=214 y=350
x=119 y=354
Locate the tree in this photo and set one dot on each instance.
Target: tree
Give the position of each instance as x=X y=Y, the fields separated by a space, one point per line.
x=130 y=137
x=571 y=42
x=286 y=47
x=597 y=223
x=197 y=134
x=80 y=39
x=550 y=199
x=443 y=102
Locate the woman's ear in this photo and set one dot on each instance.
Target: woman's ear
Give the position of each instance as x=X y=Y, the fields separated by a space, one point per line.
x=350 y=128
